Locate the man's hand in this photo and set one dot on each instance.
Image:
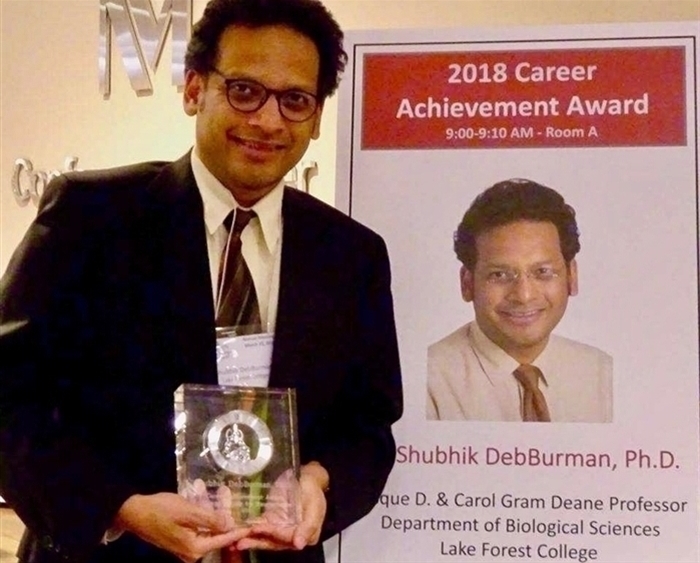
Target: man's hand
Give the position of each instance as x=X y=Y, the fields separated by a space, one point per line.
x=271 y=533
x=183 y=527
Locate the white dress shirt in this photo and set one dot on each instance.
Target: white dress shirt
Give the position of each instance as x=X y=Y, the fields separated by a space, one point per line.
x=261 y=239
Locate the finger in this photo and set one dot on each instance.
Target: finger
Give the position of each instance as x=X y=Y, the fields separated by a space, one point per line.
x=224 y=506
x=197 y=493
x=305 y=534
x=205 y=544
x=224 y=498
x=193 y=546
x=192 y=490
x=263 y=544
x=267 y=531
x=199 y=518
x=308 y=531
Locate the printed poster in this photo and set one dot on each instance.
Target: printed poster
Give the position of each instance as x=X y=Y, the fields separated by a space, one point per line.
x=607 y=117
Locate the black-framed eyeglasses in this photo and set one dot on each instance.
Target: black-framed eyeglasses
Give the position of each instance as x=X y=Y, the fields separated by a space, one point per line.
x=248 y=96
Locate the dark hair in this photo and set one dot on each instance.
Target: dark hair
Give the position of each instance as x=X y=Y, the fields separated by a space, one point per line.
x=515 y=200
x=308 y=17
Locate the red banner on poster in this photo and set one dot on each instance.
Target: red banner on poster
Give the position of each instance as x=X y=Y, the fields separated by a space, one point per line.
x=548 y=98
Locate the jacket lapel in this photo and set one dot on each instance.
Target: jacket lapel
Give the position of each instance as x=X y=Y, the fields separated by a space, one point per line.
x=302 y=232
x=179 y=228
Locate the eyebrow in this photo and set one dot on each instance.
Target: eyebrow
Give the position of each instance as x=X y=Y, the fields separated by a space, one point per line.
x=247 y=77
x=503 y=265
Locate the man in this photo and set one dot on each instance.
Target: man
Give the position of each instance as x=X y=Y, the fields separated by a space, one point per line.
x=517 y=243
x=107 y=306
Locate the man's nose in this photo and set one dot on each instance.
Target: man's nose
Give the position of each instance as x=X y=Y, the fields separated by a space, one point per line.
x=523 y=288
x=268 y=115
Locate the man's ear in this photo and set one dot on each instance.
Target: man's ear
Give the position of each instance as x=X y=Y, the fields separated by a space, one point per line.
x=572 y=278
x=316 y=133
x=466 y=280
x=193 y=92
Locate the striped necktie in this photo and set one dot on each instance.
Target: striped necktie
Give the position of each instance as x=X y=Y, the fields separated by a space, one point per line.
x=237 y=302
x=534 y=406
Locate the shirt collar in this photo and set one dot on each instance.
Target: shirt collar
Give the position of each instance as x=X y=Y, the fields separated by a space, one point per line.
x=218 y=203
x=493 y=359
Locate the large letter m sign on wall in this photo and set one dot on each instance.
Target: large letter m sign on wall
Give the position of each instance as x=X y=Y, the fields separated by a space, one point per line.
x=140 y=36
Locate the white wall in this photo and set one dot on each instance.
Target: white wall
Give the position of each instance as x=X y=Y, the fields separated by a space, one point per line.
x=50 y=106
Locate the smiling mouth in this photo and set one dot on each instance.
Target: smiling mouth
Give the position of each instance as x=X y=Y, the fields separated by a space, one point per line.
x=258 y=146
x=521 y=317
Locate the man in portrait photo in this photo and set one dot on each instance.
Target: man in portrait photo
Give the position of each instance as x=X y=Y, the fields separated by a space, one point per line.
x=517 y=244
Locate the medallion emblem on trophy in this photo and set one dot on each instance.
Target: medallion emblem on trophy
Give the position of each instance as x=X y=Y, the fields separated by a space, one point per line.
x=239 y=442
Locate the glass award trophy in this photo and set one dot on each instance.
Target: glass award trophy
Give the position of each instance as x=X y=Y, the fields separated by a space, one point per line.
x=237 y=450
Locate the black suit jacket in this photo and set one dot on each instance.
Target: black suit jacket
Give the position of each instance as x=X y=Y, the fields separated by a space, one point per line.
x=106 y=307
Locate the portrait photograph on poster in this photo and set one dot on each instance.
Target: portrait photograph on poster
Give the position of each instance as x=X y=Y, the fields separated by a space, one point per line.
x=537 y=189
x=517 y=244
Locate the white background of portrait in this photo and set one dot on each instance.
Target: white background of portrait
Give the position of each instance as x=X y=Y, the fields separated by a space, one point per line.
x=638 y=278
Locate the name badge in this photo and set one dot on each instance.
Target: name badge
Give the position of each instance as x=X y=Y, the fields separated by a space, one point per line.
x=244 y=360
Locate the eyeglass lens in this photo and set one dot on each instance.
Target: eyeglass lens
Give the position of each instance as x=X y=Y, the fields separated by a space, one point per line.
x=249 y=96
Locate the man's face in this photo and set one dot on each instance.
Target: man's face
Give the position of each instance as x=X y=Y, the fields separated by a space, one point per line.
x=251 y=152
x=520 y=286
